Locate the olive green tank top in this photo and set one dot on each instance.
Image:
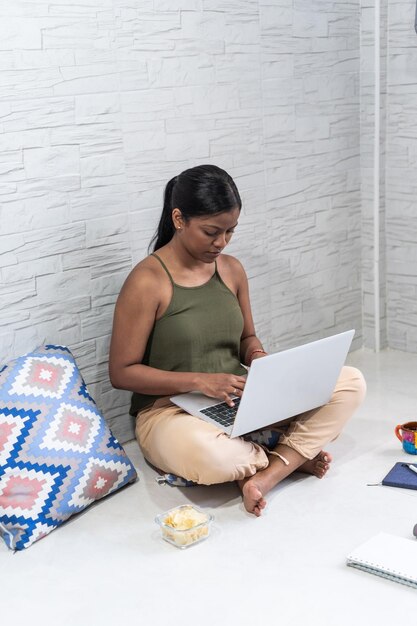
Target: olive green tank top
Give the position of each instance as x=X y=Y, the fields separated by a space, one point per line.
x=199 y=332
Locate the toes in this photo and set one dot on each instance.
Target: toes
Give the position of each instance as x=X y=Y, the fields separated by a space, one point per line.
x=259 y=507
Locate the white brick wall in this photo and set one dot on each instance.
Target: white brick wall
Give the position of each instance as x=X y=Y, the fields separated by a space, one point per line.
x=367 y=139
x=401 y=178
x=398 y=173
x=101 y=103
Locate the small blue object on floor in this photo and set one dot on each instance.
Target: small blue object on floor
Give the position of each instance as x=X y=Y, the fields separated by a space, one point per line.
x=401 y=475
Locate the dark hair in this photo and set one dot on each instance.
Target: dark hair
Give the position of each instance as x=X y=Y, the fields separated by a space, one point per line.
x=197 y=192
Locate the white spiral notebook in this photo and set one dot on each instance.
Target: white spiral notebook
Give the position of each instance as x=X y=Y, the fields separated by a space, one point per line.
x=388 y=556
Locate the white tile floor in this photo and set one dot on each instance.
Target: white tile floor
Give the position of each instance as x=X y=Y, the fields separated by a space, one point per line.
x=288 y=567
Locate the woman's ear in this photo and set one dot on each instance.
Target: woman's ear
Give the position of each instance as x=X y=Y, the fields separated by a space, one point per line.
x=177 y=219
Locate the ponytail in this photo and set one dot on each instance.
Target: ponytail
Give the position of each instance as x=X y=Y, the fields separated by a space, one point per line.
x=197 y=192
x=165 y=230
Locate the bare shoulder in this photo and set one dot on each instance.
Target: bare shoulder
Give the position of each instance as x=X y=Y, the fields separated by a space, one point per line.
x=145 y=278
x=232 y=272
x=229 y=263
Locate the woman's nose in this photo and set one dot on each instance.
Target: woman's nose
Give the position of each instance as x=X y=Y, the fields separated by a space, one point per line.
x=220 y=241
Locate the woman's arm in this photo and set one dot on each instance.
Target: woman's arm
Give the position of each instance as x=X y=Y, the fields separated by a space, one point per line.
x=250 y=346
x=134 y=316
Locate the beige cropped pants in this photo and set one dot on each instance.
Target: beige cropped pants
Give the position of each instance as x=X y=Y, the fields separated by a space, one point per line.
x=181 y=444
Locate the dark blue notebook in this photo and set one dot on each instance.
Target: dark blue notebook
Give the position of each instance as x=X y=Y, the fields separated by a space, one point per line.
x=401 y=476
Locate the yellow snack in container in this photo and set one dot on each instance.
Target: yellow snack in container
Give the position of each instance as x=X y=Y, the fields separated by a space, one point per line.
x=184 y=525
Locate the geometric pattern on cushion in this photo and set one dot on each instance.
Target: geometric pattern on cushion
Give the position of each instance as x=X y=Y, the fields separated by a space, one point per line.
x=268 y=437
x=57 y=454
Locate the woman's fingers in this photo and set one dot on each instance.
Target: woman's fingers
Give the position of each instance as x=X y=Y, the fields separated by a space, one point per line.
x=228 y=400
x=225 y=387
x=235 y=391
x=239 y=385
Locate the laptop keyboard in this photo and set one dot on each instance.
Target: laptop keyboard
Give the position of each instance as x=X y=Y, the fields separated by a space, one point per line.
x=222 y=412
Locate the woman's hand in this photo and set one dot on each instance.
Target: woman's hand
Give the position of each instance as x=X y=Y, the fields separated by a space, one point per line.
x=222 y=386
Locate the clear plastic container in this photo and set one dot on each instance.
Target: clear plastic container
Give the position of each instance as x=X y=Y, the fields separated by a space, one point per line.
x=185 y=525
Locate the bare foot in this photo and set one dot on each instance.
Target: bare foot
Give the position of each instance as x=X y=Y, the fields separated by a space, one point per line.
x=317 y=466
x=253 y=499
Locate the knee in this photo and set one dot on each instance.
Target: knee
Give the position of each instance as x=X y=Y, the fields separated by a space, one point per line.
x=215 y=458
x=208 y=462
x=354 y=382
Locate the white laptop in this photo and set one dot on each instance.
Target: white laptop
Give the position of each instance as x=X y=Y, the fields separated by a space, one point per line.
x=278 y=386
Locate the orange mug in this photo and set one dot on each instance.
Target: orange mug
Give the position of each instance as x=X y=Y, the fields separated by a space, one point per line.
x=407 y=434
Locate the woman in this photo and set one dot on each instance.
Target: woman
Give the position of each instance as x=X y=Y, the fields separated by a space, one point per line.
x=182 y=323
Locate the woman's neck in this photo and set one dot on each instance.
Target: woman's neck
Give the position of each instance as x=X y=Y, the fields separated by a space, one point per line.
x=183 y=265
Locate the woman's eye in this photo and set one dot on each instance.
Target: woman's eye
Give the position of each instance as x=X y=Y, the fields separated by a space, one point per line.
x=228 y=232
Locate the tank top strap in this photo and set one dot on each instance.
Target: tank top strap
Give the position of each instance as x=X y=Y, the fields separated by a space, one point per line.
x=216 y=272
x=217 y=275
x=164 y=266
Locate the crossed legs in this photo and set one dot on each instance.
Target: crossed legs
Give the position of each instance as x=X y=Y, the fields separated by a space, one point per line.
x=300 y=447
x=181 y=444
x=256 y=487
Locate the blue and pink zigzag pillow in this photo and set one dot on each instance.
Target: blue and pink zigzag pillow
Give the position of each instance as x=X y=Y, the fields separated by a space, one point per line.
x=57 y=454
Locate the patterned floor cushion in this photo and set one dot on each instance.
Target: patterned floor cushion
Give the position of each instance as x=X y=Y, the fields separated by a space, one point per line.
x=57 y=454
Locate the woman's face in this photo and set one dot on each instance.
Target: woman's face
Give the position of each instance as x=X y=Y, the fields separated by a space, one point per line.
x=205 y=237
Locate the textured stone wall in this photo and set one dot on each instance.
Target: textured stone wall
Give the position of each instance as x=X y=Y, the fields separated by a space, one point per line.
x=398 y=173
x=102 y=101
x=310 y=70
x=401 y=178
x=368 y=95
